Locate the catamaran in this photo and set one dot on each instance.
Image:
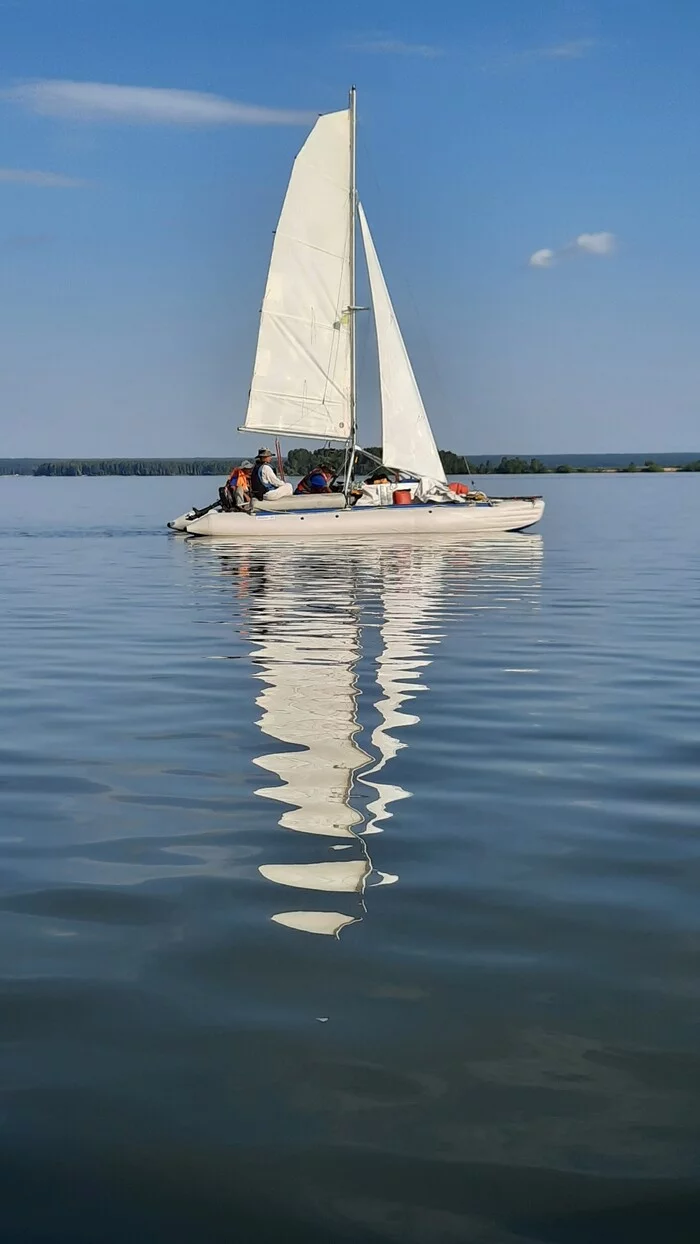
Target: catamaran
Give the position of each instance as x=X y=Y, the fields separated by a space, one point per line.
x=304 y=375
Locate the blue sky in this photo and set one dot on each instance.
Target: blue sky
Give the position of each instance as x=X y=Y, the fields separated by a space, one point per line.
x=135 y=228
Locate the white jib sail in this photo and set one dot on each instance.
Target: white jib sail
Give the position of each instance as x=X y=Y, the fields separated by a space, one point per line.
x=407 y=439
x=301 y=375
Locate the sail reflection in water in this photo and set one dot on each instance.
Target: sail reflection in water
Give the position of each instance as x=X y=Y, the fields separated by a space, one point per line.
x=315 y=616
x=306 y=632
x=410 y=582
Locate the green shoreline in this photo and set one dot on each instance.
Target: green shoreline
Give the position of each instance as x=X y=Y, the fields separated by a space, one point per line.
x=298 y=461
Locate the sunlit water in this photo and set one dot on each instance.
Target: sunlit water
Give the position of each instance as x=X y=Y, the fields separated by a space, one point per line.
x=350 y=893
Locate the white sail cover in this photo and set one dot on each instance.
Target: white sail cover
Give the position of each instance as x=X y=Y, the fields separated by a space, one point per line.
x=301 y=375
x=407 y=439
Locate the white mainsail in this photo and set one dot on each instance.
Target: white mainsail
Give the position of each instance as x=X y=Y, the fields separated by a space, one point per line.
x=407 y=440
x=302 y=373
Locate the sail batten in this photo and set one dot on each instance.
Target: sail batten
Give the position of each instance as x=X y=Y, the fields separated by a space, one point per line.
x=302 y=373
x=407 y=440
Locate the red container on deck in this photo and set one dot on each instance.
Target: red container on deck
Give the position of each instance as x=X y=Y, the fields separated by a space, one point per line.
x=402 y=496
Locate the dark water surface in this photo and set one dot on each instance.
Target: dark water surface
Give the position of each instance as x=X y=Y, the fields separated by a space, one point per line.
x=350 y=893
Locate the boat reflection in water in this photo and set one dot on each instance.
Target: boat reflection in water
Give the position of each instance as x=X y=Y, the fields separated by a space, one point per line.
x=313 y=617
x=410 y=584
x=306 y=632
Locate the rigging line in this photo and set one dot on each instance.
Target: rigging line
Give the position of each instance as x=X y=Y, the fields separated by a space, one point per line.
x=336 y=342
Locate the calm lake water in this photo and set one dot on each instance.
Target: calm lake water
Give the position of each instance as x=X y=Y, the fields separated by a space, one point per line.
x=350 y=894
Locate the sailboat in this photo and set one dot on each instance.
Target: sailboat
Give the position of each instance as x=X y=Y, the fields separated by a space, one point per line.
x=304 y=375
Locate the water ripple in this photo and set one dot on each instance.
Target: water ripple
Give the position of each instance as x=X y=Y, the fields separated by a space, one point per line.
x=442 y=797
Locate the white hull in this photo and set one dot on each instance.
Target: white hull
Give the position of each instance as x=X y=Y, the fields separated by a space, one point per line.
x=506 y=514
x=180 y=524
x=332 y=501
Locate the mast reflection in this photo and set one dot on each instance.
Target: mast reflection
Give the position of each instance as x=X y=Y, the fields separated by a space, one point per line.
x=410 y=582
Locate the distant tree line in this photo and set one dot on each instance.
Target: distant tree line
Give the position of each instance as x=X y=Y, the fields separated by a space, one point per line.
x=299 y=461
x=135 y=466
x=511 y=466
x=533 y=466
x=650 y=466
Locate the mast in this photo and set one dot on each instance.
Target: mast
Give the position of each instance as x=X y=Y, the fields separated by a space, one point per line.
x=353 y=296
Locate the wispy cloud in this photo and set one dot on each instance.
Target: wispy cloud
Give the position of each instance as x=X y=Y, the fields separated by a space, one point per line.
x=142 y=105
x=568 y=50
x=574 y=49
x=596 y=243
x=396 y=47
x=601 y=244
x=36 y=177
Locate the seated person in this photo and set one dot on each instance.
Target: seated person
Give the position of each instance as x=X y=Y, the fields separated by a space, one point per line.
x=235 y=494
x=264 y=484
x=380 y=476
x=318 y=479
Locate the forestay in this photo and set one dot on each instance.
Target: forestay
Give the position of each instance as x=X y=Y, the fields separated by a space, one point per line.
x=407 y=439
x=301 y=375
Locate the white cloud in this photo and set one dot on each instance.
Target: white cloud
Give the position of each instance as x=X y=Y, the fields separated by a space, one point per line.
x=575 y=49
x=142 y=105
x=397 y=47
x=35 y=177
x=542 y=259
x=570 y=50
x=596 y=243
x=600 y=244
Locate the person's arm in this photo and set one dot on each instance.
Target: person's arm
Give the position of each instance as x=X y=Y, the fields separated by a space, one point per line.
x=269 y=477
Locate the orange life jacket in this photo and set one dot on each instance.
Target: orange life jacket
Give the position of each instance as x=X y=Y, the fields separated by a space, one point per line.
x=239 y=478
x=460 y=489
x=304 y=484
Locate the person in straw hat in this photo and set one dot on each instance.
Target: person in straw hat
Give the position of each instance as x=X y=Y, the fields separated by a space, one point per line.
x=264 y=484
